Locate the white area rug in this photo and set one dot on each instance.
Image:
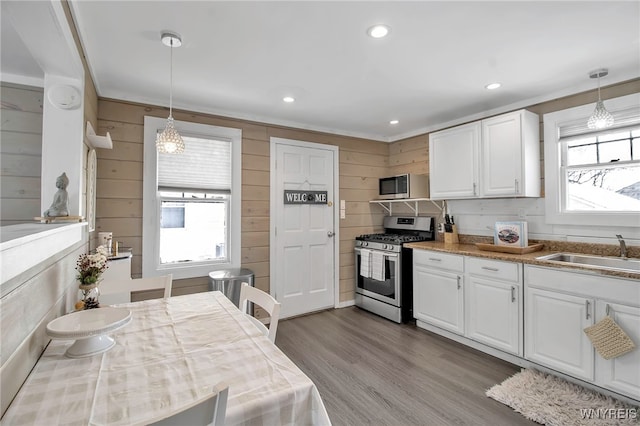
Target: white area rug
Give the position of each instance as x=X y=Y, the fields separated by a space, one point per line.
x=549 y=400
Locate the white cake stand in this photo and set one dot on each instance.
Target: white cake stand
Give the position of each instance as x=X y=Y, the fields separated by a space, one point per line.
x=89 y=328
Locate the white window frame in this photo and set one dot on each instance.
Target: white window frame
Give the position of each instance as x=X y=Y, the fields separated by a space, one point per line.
x=152 y=201
x=555 y=190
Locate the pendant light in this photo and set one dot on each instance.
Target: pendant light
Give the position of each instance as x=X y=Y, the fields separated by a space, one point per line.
x=170 y=141
x=601 y=118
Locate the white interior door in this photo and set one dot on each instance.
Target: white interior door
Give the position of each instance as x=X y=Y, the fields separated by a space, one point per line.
x=303 y=239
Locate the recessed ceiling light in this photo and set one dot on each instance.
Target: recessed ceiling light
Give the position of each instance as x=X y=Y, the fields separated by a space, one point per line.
x=378 y=31
x=492 y=86
x=394 y=122
x=288 y=99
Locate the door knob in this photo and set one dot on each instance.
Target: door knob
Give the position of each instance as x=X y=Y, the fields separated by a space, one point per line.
x=331 y=234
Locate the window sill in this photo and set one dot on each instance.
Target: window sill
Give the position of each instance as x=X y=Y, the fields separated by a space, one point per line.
x=194 y=270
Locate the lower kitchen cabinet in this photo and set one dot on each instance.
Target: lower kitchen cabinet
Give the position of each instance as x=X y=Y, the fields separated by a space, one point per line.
x=529 y=313
x=480 y=299
x=439 y=298
x=621 y=374
x=438 y=290
x=494 y=314
x=560 y=304
x=494 y=303
x=554 y=327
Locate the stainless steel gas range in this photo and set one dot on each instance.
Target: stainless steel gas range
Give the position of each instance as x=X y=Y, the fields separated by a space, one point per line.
x=384 y=270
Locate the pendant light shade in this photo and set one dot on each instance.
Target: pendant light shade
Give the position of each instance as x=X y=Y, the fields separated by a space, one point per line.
x=169 y=140
x=600 y=118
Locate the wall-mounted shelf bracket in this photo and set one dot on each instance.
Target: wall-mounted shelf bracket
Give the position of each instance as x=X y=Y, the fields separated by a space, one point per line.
x=98 y=141
x=411 y=203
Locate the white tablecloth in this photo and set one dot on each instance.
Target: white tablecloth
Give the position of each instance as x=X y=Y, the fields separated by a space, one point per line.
x=171 y=352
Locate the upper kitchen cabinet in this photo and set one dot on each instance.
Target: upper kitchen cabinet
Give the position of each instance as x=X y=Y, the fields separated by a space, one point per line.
x=454 y=162
x=495 y=157
x=511 y=155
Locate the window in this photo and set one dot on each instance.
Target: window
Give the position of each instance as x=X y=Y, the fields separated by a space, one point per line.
x=602 y=172
x=193 y=229
x=191 y=201
x=593 y=177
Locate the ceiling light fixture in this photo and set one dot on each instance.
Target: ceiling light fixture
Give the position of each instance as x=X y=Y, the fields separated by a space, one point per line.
x=600 y=118
x=394 y=122
x=492 y=86
x=378 y=31
x=169 y=140
x=289 y=99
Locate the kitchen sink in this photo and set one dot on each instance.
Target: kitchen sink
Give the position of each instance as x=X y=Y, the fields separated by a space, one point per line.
x=623 y=264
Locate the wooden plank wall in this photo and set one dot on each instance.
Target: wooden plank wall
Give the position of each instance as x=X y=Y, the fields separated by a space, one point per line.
x=120 y=173
x=21 y=152
x=42 y=294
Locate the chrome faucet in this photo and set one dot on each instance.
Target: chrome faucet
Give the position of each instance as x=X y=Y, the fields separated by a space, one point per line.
x=623 y=246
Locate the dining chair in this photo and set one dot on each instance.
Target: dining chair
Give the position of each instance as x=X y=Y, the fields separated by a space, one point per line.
x=209 y=410
x=266 y=302
x=119 y=291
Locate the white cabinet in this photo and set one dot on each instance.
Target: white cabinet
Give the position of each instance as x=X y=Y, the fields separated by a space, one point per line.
x=621 y=374
x=438 y=289
x=494 y=304
x=511 y=155
x=480 y=299
x=495 y=157
x=553 y=329
x=454 y=162
x=119 y=268
x=560 y=304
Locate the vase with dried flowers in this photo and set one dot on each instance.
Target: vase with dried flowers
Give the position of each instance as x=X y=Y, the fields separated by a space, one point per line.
x=90 y=268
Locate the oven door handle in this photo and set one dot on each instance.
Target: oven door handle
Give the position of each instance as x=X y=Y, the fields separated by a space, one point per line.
x=386 y=254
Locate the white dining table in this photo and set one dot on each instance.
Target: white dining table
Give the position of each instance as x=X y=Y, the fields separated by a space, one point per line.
x=171 y=353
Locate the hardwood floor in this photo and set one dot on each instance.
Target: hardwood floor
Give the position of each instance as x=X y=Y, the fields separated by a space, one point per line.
x=373 y=371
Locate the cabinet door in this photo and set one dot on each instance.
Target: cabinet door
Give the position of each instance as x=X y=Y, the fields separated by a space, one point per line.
x=621 y=374
x=554 y=337
x=453 y=162
x=438 y=298
x=493 y=314
x=502 y=155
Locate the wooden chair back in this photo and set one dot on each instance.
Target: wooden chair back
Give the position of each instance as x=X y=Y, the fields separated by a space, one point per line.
x=209 y=410
x=119 y=291
x=266 y=302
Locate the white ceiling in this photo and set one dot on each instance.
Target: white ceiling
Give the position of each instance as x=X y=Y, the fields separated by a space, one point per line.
x=240 y=58
x=21 y=62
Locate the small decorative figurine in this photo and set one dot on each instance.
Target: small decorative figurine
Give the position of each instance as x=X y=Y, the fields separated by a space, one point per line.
x=60 y=205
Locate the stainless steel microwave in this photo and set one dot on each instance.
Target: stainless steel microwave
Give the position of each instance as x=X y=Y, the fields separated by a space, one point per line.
x=404 y=186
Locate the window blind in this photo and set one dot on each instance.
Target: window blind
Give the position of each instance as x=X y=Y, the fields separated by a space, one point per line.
x=205 y=164
x=623 y=119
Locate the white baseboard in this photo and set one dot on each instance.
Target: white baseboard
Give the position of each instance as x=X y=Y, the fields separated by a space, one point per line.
x=346 y=304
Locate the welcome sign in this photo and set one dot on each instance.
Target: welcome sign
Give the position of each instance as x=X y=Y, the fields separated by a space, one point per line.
x=305 y=197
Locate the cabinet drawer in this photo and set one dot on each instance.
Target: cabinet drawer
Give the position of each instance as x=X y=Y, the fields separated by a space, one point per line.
x=435 y=259
x=506 y=271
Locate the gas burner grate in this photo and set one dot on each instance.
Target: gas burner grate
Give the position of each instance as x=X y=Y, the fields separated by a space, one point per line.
x=392 y=238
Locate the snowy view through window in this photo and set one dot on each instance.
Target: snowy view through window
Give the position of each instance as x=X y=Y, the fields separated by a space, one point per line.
x=193 y=229
x=603 y=172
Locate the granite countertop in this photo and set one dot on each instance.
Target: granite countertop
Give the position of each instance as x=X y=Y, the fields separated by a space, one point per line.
x=528 y=258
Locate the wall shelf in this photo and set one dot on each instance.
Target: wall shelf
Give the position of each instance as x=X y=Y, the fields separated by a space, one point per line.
x=411 y=203
x=98 y=141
